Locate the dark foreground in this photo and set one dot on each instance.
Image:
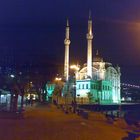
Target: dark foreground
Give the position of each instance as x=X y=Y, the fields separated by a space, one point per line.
x=50 y=123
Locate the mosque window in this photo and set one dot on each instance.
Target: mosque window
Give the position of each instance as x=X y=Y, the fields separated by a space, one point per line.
x=99 y=87
x=79 y=86
x=106 y=96
x=105 y=87
x=95 y=87
x=91 y=86
x=83 y=86
x=86 y=86
x=103 y=96
x=108 y=87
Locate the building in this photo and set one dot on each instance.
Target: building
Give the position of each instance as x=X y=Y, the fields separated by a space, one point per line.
x=104 y=86
x=97 y=81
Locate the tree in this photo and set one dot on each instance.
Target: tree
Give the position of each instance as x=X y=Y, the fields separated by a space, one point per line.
x=57 y=90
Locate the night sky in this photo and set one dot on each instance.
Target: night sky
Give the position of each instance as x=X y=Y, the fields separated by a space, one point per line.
x=32 y=32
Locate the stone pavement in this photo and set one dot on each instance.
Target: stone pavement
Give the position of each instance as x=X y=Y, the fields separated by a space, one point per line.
x=50 y=123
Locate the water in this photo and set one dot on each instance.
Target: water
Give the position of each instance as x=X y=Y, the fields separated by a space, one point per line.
x=130 y=112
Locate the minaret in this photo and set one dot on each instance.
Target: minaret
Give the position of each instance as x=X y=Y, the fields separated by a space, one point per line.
x=89 y=47
x=66 y=61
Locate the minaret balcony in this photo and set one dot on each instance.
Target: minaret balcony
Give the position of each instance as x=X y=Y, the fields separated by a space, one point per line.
x=67 y=42
x=89 y=36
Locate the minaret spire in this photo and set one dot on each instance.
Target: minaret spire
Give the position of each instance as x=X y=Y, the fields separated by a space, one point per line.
x=89 y=14
x=89 y=47
x=97 y=52
x=67 y=22
x=66 y=43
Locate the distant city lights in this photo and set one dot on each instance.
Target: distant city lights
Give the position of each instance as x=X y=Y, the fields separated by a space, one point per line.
x=130 y=85
x=12 y=76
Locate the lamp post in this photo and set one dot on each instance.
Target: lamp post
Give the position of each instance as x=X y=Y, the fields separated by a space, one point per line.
x=58 y=86
x=76 y=69
x=58 y=79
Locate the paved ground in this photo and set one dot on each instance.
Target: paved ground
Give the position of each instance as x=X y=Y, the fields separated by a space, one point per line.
x=50 y=123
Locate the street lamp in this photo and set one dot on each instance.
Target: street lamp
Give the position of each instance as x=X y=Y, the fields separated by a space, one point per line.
x=58 y=87
x=76 y=69
x=58 y=79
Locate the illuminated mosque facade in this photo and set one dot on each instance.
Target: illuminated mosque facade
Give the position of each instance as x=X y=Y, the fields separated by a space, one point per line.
x=97 y=81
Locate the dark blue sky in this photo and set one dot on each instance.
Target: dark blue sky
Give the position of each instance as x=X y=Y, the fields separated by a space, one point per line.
x=33 y=31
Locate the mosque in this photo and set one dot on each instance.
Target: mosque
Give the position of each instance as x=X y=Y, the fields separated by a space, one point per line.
x=97 y=81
